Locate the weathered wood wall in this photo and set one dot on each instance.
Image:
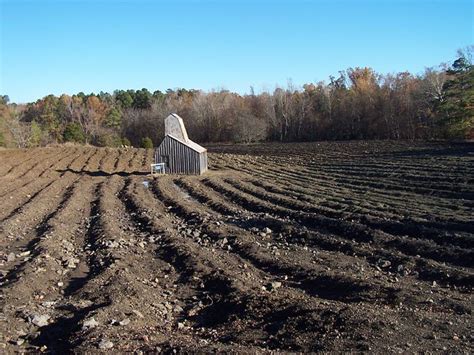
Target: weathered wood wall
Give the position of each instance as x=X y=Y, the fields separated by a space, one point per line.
x=203 y=162
x=182 y=159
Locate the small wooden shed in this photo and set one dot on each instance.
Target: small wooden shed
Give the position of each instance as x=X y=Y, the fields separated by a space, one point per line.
x=177 y=152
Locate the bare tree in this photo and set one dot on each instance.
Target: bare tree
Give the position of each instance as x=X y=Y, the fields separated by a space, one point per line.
x=250 y=128
x=435 y=80
x=21 y=132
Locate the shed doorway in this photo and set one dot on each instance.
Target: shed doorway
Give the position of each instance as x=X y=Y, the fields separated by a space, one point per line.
x=166 y=160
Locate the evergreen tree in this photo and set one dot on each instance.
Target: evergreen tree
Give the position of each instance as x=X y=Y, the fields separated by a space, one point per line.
x=36 y=134
x=147 y=143
x=456 y=111
x=114 y=118
x=74 y=133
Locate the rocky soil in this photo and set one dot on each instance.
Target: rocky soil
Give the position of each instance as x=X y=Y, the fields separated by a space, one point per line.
x=357 y=246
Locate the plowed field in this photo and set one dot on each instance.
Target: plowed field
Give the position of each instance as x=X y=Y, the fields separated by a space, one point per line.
x=296 y=247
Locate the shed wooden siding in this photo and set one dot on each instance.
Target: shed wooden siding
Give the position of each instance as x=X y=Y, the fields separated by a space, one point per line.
x=182 y=159
x=203 y=160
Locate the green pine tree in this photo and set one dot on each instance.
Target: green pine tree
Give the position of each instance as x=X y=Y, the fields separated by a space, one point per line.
x=147 y=143
x=456 y=111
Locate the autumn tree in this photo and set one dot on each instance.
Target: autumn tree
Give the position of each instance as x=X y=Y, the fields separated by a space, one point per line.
x=358 y=103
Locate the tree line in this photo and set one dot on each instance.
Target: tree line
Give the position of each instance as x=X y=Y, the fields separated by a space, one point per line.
x=358 y=103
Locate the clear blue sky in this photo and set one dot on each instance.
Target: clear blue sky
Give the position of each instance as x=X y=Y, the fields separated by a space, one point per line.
x=71 y=46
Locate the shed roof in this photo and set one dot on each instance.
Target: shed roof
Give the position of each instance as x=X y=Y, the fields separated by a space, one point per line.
x=193 y=145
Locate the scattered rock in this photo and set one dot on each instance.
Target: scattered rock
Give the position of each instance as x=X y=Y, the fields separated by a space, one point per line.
x=125 y=321
x=70 y=262
x=89 y=323
x=111 y=244
x=105 y=344
x=11 y=257
x=384 y=263
x=267 y=230
x=48 y=304
x=68 y=245
x=274 y=285
x=138 y=314
x=40 y=320
x=180 y=325
x=192 y=312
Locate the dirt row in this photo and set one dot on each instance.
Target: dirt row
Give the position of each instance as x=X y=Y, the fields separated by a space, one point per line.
x=301 y=247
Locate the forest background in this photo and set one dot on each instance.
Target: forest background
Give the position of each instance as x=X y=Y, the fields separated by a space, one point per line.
x=357 y=103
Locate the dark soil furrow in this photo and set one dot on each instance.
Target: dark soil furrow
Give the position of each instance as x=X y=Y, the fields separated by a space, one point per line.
x=381 y=186
x=132 y=159
x=53 y=256
x=226 y=300
x=348 y=230
x=40 y=231
x=93 y=164
x=307 y=278
x=78 y=164
x=60 y=164
x=416 y=229
x=384 y=204
x=118 y=159
x=332 y=199
x=280 y=247
x=11 y=211
x=350 y=248
x=41 y=155
x=90 y=261
x=32 y=177
x=43 y=165
x=399 y=199
x=454 y=191
x=10 y=159
x=108 y=162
